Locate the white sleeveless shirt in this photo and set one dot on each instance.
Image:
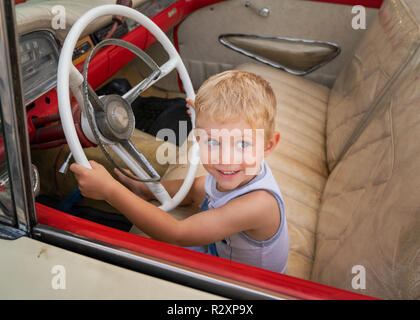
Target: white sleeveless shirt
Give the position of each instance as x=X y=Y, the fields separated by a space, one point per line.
x=271 y=254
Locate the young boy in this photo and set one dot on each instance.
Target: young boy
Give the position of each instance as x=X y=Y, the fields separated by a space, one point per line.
x=242 y=215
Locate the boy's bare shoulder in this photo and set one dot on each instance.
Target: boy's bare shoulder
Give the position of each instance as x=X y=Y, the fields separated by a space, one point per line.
x=259 y=199
x=260 y=208
x=258 y=203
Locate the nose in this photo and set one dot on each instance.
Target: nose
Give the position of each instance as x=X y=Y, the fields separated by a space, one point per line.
x=230 y=153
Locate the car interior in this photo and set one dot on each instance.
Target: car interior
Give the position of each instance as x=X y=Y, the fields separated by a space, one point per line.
x=348 y=160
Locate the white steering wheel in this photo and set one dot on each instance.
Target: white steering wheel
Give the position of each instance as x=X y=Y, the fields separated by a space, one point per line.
x=115 y=131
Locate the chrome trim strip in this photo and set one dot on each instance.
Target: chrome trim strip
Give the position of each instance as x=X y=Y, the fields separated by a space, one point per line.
x=14 y=119
x=272 y=63
x=135 y=261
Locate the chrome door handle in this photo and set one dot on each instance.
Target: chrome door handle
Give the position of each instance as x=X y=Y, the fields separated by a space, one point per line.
x=264 y=12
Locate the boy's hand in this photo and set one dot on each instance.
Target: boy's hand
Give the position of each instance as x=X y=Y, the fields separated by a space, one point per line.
x=190 y=103
x=95 y=183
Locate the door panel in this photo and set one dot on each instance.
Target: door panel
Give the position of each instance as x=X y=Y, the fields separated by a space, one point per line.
x=292 y=55
x=204 y=55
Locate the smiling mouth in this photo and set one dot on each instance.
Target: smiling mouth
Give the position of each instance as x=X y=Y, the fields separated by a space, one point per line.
x=228 y=173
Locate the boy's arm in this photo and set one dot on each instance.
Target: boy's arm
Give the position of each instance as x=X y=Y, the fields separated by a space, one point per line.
x=252 y=211
x=249 y=212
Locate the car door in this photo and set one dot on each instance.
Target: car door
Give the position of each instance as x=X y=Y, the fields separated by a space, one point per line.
x=30 y=268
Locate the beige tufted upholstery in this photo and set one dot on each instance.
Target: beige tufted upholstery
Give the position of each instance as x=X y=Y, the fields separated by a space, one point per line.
x=386 y=47
x=369 y=212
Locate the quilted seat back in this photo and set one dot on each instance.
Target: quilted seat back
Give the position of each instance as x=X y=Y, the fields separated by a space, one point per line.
x=368 y=232
x=387 y=46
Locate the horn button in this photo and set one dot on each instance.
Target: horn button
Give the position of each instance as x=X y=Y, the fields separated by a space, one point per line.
x=116 y=121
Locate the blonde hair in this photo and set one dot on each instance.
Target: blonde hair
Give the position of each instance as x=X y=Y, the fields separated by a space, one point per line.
x=237 y=94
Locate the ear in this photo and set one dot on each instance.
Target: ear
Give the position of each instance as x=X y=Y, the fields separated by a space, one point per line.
x=272 y=143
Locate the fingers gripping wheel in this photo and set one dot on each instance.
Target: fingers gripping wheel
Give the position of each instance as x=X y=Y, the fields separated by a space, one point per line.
x=110 y=120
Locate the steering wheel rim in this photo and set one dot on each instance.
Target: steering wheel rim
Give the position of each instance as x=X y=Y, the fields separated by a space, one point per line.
x=68 y=77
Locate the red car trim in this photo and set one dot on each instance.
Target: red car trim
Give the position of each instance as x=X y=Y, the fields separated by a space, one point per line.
x=43 y=107
x=365 y=3
x=287 y=285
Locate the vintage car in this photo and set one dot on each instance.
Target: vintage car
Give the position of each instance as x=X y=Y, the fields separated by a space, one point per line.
x=346 y=78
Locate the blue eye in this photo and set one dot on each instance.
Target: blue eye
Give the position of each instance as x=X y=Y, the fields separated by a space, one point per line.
x=213 y=143
x=243 y=144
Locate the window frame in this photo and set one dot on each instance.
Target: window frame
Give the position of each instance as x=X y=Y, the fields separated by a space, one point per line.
x=14 y=129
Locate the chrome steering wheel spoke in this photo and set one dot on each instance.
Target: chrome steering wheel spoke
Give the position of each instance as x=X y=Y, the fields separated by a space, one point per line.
x=128 y=146
x=133 y=93
x=94 y=100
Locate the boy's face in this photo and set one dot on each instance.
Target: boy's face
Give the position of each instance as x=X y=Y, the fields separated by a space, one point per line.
x=231 y=152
